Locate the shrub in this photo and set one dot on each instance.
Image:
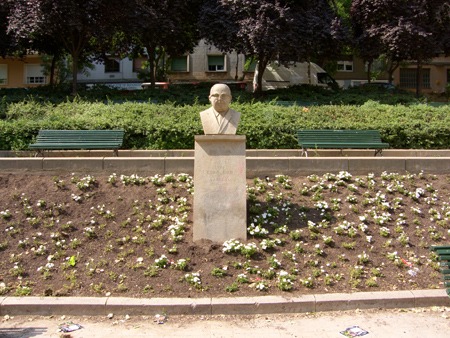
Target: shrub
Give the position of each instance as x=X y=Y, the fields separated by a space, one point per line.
x=152 y=121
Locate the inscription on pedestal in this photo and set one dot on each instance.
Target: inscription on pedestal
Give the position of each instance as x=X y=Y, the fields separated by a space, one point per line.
x=220 y=211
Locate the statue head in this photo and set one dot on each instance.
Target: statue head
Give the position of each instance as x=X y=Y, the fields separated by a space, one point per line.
x=220 y=97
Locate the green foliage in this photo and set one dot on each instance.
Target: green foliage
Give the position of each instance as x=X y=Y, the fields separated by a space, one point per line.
x=267 y=125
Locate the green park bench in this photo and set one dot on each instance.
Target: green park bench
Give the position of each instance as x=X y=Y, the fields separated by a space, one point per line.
x=340 y=139
x=78 y=139
x=443 y=252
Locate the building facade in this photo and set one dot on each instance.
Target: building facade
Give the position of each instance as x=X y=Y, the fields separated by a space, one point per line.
x=435 y=74
x=207 y=63
x=22 y=72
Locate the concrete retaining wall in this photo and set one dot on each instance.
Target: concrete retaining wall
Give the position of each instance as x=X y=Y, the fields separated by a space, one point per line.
x=256 y=165
x=101 y=306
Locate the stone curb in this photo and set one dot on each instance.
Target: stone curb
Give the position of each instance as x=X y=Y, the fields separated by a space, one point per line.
x=256 y=166
x=101 y=306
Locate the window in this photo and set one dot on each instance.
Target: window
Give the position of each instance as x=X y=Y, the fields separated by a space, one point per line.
x=3 y=74
x=377 y=66
x=112 y=66
x=345 y=66
x=138 y=64
x=179 y=64
x=408 y=77
x=216 y=63
x=250 y=64
x=34 y=74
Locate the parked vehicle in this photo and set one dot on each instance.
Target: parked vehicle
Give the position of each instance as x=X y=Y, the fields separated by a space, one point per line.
x=279 y=75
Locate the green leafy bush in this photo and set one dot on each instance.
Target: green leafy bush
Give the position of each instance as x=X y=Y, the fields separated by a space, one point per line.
x=267 y=125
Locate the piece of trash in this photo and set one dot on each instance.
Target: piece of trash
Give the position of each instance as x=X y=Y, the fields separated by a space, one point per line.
x=354 y=331
x=413 y=272
x=110 y=315
x=160 y=319
x=407 y=263
x=69 y=327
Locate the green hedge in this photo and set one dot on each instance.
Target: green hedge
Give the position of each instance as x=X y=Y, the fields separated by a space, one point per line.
x=266 y=125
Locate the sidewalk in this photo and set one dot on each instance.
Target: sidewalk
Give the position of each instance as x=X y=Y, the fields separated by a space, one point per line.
x=412 y=323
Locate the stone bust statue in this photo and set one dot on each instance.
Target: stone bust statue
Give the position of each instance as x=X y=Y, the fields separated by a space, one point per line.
x=220 y=118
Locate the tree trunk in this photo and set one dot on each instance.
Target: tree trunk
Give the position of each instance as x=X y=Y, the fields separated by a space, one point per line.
x=237 y=66
x=151 y=64
x=392 y=67
x=159 y=65
x=369 y=70
x=262 y=64
x=419 y=78
x=75 y=58
x=309 y=72
x=52 y=71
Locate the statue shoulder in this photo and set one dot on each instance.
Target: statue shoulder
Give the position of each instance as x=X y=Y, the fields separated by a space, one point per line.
x=235 y=113
x=206 y=112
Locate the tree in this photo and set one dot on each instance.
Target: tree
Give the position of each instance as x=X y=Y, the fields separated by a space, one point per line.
x=219 y=26
x=256 y=28
x=78 y=26
x=8 y=44
x=163 y=27
x=319 y=32
x=5 y=39
x=366 y=46
x=283 y=30
x=405 y=29
x=443 y=25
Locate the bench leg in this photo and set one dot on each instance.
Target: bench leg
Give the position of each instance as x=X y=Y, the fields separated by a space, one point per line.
x=39 y=152
x=116 y=152
x=304 y=152
x=378 y=151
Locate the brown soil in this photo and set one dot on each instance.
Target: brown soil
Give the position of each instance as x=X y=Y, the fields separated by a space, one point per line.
x=62 y=239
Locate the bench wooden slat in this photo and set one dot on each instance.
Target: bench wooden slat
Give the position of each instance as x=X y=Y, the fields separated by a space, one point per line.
x=340 y=139
x=78 y=139
x=440 y=247
x=443 y=252
x=342 y=145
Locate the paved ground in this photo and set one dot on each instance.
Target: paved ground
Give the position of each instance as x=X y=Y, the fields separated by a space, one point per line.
x=418 y=322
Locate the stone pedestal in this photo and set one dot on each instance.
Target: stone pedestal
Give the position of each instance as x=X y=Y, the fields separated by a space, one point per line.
x=220 y=203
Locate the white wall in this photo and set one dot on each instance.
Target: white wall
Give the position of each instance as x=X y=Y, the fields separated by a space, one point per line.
x=98 y=73
x=198 y=68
